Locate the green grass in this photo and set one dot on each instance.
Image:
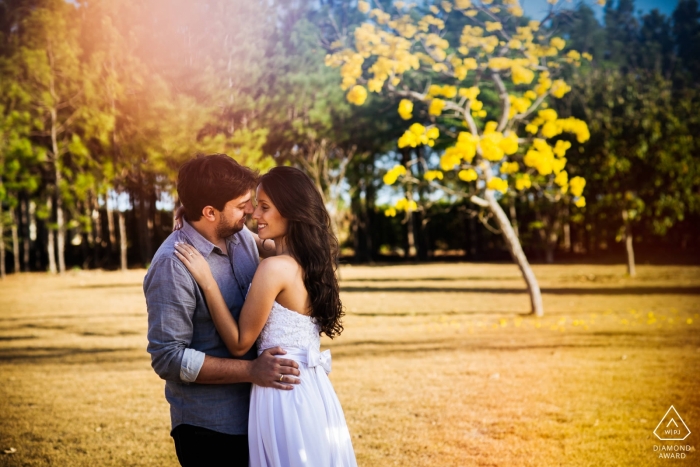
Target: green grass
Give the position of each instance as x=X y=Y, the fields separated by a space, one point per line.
x=438 y=366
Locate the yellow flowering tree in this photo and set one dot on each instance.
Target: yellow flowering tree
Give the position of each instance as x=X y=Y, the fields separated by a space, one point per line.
x=478 y=77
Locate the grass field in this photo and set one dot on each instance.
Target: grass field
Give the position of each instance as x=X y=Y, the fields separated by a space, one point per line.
x=437 y=366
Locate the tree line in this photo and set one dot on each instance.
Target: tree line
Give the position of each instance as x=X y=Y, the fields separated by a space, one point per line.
x=101 y=101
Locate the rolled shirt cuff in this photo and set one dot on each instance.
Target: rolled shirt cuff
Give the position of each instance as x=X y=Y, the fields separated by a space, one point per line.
x=192 y=362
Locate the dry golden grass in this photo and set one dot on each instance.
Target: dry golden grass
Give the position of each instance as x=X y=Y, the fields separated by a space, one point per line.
x=437 y=366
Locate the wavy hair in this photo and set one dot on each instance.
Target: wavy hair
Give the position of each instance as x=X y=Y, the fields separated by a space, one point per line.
x=310 y=241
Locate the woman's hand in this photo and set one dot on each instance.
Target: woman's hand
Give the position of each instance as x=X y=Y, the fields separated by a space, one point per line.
x=179 y=214
x=196 y=264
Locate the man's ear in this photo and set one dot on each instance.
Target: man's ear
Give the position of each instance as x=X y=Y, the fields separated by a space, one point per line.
x=209 y=213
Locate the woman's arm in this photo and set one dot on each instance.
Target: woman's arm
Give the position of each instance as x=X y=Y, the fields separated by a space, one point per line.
x=263 y=291
x=266 y=248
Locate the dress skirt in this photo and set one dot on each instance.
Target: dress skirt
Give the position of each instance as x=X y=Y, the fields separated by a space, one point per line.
x=302 y=427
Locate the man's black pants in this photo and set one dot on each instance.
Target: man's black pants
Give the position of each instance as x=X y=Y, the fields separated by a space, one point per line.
x=196 y=446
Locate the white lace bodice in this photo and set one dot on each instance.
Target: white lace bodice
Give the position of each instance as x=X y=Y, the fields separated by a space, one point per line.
x=289 y=329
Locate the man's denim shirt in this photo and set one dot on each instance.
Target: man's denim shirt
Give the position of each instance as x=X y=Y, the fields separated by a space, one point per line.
x=181 y=331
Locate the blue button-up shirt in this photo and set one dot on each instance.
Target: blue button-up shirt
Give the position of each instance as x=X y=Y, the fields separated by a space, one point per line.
x=181 y=330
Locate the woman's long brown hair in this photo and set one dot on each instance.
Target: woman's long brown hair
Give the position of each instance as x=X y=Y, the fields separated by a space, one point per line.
x=310 y=241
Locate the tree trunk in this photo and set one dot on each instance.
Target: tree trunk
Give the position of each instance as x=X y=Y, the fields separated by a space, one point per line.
x=15 y=242
x=410 y=237
x=2 y=243
x=51 y=240
x=122 y=240
x=472 y=238
x=567 y=231
x=629 y=247
x=110 y=225
x=60 y=233
x=517 y=253
x=60 y=227
x=514 y=217
x=24 y=217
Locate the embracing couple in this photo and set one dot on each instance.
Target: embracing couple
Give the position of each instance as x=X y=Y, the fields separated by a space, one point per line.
x=220 y=319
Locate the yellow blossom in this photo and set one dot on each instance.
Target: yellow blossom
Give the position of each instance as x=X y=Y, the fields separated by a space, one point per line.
x=587 y=56
x=523 y=182
x=499 y=63
x=469 y=93
x=450 y=159
x=417 y=134
x=467 y=175
x=490 y=147
x=393 y=174
x=562 y=178
x=406 y=205
x=493 y=26
x=516 y=11
x=548 y=115
x=357 y=95
x=476 y=105
x=577 y=185
x=530 y=95
x=509 y=144
x=434 y=90
x=391 y=212
x=431 y=175
x=521 y=75
x=463 y=4
x=560 y=88
x=557 y=42
x=449 y=91
x=406 y=109
x=550 y=130
x=514 y=44
x=375 y=85
x=581 y=202
x=363 y=6
x=561 y=147
x=509 y=167
x=497 y=184
x=558 y=164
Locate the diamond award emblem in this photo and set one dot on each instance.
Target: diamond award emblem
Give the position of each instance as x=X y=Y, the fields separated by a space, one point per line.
x=672 y=427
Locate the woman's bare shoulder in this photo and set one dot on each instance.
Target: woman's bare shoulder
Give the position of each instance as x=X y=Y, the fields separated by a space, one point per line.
x=282 y=265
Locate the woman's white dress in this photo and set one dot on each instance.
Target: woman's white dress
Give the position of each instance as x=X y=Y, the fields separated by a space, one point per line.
x=304 y=426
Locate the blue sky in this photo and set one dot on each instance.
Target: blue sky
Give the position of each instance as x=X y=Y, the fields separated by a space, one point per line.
x=537 y=8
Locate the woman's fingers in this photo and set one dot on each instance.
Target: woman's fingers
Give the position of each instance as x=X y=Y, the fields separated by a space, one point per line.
x=183 y=258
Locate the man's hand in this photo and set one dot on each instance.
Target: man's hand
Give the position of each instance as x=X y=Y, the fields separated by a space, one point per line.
x=267 y=370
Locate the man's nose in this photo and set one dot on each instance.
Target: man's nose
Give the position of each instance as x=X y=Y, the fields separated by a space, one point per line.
x=249 y=208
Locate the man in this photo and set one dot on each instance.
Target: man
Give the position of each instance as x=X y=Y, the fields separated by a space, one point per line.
x=207 y=389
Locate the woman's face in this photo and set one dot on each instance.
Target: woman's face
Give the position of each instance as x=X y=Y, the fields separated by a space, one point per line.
x=271 y=224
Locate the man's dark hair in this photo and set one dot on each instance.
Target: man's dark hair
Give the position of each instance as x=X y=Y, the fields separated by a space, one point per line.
x=212 y=180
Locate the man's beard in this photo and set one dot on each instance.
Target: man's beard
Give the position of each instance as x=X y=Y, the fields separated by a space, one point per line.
x=225 y=229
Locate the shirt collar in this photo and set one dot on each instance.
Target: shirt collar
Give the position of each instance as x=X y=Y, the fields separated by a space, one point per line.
x=204 y=246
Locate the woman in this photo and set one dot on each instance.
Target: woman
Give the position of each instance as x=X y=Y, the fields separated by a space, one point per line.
x=294 y=297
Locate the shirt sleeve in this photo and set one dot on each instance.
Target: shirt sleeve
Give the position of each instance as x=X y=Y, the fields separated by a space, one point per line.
x=171 y=303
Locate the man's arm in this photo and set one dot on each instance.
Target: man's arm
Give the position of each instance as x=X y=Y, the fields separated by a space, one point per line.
x=171 y=302
x=267 y=370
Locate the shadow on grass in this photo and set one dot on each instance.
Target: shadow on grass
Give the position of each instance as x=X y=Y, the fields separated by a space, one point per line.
x=621 y=339
x=436 y=279
x=546 y=290
x=401 y=314
x=108 y=286
x=16 y=338
x=69 y=355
